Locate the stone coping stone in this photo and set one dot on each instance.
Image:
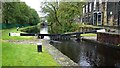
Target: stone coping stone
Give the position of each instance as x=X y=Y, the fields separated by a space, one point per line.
x=100 y=43
x=109 y=33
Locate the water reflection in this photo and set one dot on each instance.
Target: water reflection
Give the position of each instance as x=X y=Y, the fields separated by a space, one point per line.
x=89 y=54
x=44 y=30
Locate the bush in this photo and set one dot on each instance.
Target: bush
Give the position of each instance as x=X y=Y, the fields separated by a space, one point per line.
x=11 y=25
x=30 y=29
x=74 y=27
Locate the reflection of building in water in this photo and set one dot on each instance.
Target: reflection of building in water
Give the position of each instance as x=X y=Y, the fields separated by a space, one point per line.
x=0 y=12
x=97 y=12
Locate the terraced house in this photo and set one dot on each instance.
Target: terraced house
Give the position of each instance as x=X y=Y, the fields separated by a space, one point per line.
x=99 y=12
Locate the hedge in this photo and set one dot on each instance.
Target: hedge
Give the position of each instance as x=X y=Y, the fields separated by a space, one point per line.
x=30 y=29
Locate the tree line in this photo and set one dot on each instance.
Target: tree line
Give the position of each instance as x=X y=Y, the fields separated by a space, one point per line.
x=61 y=15
x=19 y=13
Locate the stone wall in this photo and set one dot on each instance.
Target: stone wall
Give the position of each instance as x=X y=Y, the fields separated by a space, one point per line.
x=110 y=38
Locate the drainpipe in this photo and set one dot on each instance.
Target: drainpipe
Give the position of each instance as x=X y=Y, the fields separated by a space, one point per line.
x=105 y=14
x=118 y=13
x=118 y=17
x=94 y=5
x=106 y=7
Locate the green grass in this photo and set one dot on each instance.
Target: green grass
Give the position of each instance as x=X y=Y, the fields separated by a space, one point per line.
x=25 y=55
x=92 y=26
x=5 y=35
x=0 y=53
x=89 y=34
x=22 y=54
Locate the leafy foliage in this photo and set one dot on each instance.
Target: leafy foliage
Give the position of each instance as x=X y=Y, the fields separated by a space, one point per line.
x=20 y=13
x=29 y=29
x=61 y=15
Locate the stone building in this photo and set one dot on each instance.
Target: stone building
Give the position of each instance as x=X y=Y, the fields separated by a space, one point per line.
x=112 y=13
x=105 y=13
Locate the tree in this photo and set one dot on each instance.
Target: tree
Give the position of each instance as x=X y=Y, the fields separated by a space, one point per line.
x=8 y=9
x=34 y=18
x=61 y=16
x=51 y=9
x=19 y=13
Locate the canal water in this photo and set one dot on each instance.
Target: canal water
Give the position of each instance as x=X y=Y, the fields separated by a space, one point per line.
x=44 y=30
x=86 y=53
x=89 y=54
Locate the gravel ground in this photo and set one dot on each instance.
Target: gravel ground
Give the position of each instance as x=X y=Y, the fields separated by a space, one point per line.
x=24 y=41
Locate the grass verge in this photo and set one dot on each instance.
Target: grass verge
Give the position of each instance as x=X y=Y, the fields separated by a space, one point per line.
x=0 y=52
x=25 y=55
x=5 y=35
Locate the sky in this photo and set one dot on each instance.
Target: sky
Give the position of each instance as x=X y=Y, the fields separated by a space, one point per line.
x=35 y=4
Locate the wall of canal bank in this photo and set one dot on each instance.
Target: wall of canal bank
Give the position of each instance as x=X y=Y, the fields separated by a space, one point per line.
x=94 y=40
x=110 y=38
x=87 y=53
x=62 y=59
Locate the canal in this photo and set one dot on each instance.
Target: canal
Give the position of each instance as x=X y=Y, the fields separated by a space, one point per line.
x=89 y=54
x=86 y=53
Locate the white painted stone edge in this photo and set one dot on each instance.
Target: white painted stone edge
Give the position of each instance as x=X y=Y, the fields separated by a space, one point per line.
x=39 y=43
x=14 y=34
x=101 y=30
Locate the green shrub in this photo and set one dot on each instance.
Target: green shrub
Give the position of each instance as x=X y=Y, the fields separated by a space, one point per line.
x=74 y=27
x=30 y=29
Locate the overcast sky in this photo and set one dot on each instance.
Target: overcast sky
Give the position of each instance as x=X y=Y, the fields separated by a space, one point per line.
x=35 y=4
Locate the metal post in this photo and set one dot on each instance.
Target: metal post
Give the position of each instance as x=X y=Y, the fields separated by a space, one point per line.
x=17 y=28
x=118 y=21
x=42 y=37
x=39 y=47
x=38 y=37
x=118 y=18
x=78 y=37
